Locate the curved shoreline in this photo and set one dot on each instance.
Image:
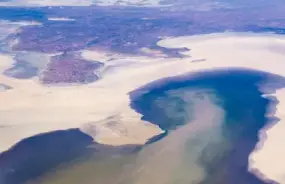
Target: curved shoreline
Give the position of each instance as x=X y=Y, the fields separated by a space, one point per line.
x=233 y=160
x=267 y=139
x=193 y=79
x=98 y=102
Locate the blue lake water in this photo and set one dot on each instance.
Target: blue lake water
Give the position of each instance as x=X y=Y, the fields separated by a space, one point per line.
x=245 y=108
x=33 y=156
x=69 y=156
x=72 y=157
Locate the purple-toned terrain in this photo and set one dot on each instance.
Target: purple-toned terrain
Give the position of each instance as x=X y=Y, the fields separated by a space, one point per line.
x=69 y=69
x=127 y=30
x=129 y=33
x=124 y=30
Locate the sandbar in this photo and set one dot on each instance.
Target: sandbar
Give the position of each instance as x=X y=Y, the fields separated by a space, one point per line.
x=32 y=108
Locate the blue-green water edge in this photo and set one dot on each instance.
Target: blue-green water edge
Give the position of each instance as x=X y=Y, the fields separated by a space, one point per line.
x=238 y=92
x=245 y=115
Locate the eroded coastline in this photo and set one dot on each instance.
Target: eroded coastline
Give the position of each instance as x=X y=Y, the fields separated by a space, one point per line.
x=246 y=115
x=193 y=145
x=144 y=73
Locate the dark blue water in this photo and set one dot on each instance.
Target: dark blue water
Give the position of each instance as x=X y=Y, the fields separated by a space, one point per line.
x=239 y=94
x=245 y=110
x=32 y=157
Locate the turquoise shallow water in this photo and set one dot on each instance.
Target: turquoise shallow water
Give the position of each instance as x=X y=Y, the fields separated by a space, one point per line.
x=211 y=120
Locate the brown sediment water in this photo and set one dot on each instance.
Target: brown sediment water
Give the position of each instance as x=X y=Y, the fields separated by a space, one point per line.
x=174 y=159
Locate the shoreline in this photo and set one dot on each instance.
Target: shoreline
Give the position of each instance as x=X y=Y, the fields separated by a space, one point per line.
x=231 y=163
x=263 y=136
x=29 y=103
x=267 y=138
x=161 y=84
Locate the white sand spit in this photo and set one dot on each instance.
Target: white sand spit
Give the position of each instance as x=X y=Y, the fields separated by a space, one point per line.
x=95 y=56
x=30 y=108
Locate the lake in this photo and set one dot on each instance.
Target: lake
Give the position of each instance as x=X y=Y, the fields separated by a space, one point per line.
x=211 y=121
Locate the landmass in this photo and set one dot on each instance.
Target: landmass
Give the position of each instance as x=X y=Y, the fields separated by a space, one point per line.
x=36 y=108
x=66 y=67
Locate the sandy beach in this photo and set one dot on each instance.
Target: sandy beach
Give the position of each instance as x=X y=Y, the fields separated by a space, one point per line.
x=31 y=108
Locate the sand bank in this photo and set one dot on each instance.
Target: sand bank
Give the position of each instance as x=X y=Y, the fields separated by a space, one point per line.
x=266 y=161
x=31 y=108
x=261 y=52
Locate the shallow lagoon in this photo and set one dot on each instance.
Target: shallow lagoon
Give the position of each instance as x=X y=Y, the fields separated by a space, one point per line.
x=203 y=143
